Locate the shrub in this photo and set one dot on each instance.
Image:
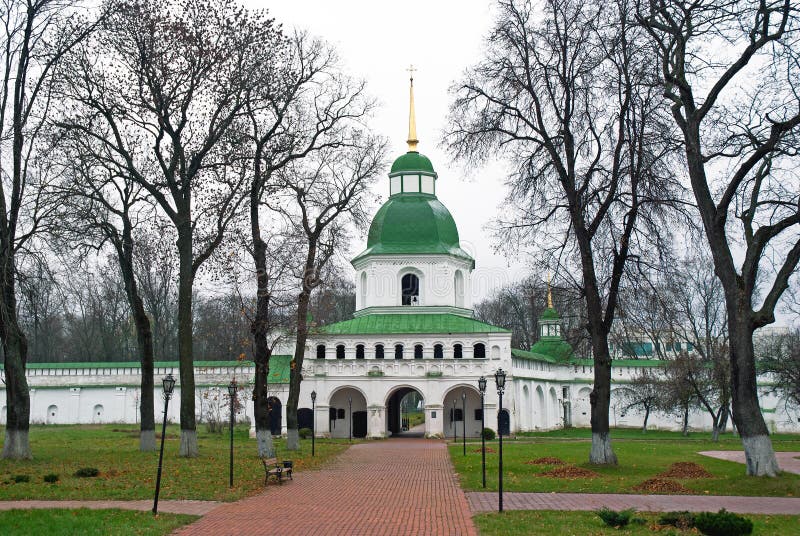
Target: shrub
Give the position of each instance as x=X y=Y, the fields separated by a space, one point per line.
x=87 y=472
x=51 y=478
x=21 y=478
x=615 y=519
x=682 y=520
x=304 y=433
x=723 y=524
x=488 y=434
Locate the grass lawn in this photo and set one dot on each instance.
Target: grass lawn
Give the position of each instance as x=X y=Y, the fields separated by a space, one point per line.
x=126 y=473
x=639 y=460
x=88 y=522
x=588 y=524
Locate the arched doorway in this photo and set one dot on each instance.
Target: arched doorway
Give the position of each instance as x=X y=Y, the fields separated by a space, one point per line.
x=459 y=419
x=97 y=413
x=275 y=417
x=52 y=414
x=348 y=413
x=405 y=413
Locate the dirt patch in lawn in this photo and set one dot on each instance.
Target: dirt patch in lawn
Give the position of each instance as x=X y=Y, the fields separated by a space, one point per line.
x=685 y=470
x=660 y=485
x=569 y=471
x=547 y=460
x=489 y=450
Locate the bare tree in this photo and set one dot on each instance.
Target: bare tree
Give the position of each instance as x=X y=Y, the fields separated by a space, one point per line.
x=730 y=70
x=36 y=35
x=324 y=194
x=566 y=93
x=310 y=111
x=645 y=392
x=160 y=87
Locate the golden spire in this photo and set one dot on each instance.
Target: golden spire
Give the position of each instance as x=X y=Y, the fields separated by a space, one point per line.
x=412 y=119
x=549 y=293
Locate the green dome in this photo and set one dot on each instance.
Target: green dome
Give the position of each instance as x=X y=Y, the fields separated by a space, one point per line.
x=413 y=224
x=557 y=348
x=412 y=161
x=549 y=314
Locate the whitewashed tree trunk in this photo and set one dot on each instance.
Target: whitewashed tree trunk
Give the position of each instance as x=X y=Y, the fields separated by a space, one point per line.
x=759 y=456
x=147 y=440
x=16 y=445
x=602 y=453
x=188 y=446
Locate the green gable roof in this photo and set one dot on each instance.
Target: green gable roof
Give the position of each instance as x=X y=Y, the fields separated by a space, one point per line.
x=408 y=323
x=413 y=224
x=412 y=161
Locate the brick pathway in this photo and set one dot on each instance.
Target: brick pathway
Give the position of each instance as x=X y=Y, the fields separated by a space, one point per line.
x=486 y=502
x=788 y=461
x=397 y=486
x=197 y=508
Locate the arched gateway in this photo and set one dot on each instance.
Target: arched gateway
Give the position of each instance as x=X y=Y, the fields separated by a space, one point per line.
x=405 y=412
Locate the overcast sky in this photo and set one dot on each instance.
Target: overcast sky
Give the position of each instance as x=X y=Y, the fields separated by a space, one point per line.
x=377 y=41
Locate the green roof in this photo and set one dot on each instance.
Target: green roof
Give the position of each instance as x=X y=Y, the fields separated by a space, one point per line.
x=534 y=356
x=555 y=347
x=278 y=366
x=412 y=161
x=408 y=323
x=623 y=362
x=549 y=314
x=413 y=224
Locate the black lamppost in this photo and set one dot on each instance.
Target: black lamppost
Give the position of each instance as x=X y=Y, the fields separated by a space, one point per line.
x=500 y=380
x=464 y=420
x=168 y=384
x=232 y=401
x=455 y=430
x=482 y=389
x=350 y=427
x=313 y=419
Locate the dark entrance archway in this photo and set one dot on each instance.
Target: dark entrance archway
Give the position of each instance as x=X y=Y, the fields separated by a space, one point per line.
x=405 y=413
x=275 y=417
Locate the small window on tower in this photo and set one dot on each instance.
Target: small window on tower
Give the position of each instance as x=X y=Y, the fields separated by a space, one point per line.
x=410 y=287
x=340 y=351
x=359 y=351
x=378 y=351
x=320 y=351
x=479 y=351
x=417 y=351
x=438 y=352
x=398 y=351
x=457 y=351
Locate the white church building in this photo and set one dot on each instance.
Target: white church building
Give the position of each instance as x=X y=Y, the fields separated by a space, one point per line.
x=413 y=331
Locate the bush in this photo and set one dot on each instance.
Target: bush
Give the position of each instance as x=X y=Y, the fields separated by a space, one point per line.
x=615 y=519
x=488 y=434
x=723 y=524
x=304 y=433
x=87 y=472
x=21 y=478
x=681 y=520
x=51 y=478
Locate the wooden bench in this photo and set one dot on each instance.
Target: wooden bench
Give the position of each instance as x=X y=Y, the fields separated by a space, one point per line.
x=278 y=470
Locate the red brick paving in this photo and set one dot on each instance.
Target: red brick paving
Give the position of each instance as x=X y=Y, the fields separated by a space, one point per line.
x=397 y=486
x=487 y=501
x=787 y=461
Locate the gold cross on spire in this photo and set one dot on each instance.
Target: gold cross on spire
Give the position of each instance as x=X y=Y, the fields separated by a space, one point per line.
x=412 y=119
x=549 y=292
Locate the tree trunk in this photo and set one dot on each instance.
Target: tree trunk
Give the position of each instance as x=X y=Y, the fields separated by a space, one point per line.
x=18 y=402
x=646 y=416
x=295 y=376
x=601 y=452
x=259 y=329
x=188 y=446
x=723 y=419
x=144 y=339
x=685 y=429
x=758 y=452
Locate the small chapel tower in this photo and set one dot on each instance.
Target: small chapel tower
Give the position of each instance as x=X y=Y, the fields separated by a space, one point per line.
x=413 y=262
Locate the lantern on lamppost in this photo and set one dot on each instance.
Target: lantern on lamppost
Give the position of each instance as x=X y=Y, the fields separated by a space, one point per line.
x=168 y=385
x=482 y=389
x=500 y=380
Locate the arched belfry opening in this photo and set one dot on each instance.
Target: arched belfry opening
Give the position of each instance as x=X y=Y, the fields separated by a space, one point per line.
x=405 y=413
x=410 y=289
